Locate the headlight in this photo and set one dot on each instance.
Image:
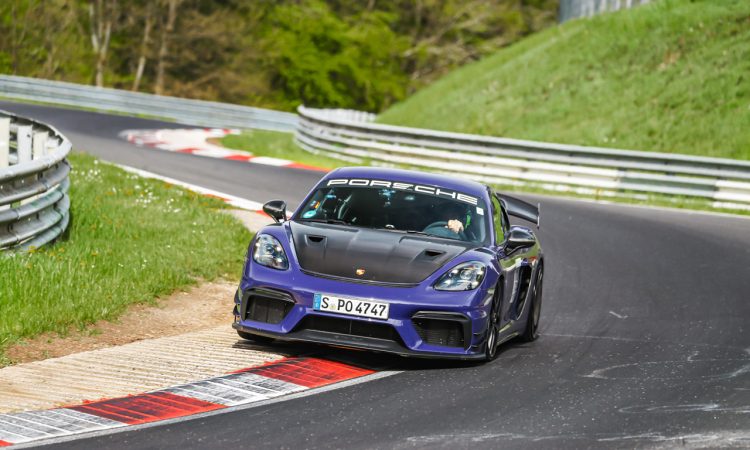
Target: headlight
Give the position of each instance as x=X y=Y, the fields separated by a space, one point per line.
x=463 y=277
x=269 y=252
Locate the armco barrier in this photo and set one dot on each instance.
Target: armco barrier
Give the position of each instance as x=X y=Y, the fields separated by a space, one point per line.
x=191 y=112
x=352 y=136
x=34 y=183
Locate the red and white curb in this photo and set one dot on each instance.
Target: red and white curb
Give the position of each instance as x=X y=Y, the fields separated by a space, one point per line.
x=194 y=141
x=247 y=386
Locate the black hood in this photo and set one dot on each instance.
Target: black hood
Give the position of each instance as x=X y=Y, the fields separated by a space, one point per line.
x=385 y=256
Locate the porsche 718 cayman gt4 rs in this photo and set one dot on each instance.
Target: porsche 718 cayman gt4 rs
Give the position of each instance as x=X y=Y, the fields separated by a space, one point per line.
x=395 y=261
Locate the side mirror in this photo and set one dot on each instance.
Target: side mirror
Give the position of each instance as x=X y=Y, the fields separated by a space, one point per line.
x=519 y=237
x=276 y=209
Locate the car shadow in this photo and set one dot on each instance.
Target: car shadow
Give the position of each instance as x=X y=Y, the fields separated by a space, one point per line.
x=366 y=359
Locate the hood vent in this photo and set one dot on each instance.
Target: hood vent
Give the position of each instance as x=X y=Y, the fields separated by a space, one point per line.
x=370 y=256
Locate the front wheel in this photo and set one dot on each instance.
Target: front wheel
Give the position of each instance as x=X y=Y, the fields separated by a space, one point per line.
x=531 y=332
x=493 y=329
x=254 y=337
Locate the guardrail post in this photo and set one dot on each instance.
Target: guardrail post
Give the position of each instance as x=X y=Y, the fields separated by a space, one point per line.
x=4 y=141
x=24 y=144
x=4 y=147
x=39 y=145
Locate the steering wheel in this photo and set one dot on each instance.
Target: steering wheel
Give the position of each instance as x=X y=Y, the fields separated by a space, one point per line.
x=344 y=209
x=438 y=224
x=440 y=228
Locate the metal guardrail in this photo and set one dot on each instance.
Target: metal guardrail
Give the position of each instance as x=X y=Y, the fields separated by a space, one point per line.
x=191 y=112
x=34 y=203
x=353 y=137
x=573 y=9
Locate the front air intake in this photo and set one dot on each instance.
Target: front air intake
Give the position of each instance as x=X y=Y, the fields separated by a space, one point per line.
x=265 y=305
x=444 y=329
x=349 y=327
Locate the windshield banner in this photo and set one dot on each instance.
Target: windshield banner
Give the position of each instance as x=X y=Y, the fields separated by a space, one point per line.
x=430 y=190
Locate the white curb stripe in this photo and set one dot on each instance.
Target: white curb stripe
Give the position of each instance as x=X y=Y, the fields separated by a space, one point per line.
x=228 y=198
x=18 y=428
x=236 y=389
x=278 y=379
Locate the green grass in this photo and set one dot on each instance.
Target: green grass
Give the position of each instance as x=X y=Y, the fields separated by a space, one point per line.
x=131 y=240
x=670 y=76
x=278 y=145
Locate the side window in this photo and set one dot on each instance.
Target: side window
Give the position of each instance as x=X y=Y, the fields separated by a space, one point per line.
x=500 y=220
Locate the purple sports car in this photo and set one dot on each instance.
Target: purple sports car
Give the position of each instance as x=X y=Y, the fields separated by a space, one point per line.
x=395 y=261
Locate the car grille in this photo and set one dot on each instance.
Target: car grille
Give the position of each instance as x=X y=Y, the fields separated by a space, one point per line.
x=350 y=327
x=448 y=333
x=268 y=306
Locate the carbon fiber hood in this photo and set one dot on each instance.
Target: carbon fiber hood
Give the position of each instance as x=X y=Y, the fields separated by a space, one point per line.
x=384 y=256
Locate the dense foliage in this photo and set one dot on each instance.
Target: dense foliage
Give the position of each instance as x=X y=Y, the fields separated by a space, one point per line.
x=335 y=53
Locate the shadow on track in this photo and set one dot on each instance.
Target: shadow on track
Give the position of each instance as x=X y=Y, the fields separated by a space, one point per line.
x=369 y=359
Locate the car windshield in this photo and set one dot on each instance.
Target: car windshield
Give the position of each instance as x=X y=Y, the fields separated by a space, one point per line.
x=433 y=211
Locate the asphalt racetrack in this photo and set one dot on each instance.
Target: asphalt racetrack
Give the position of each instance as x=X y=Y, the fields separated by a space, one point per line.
x=645 y=335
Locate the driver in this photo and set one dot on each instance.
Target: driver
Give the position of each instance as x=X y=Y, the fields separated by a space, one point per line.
x=455 y=226
x=452 y=214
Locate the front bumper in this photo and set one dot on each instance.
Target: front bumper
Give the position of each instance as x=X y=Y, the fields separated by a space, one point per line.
x=355 y=342
x=410 y=311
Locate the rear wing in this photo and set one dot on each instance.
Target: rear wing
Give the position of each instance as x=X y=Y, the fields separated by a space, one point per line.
x=519 y=208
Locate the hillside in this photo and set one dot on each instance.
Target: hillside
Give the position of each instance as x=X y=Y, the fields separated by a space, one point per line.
x=672 y=76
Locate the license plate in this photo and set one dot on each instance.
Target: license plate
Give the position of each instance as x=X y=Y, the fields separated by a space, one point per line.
x=350 y=306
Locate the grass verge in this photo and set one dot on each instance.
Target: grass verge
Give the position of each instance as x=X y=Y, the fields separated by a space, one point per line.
x=131 y=240
x=278 y=144
x=670 y=76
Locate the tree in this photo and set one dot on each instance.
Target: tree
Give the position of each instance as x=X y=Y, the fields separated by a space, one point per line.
x=145 y=42
x=317 y=57
x=102 y=15
x=166 y=35
x=273 y=53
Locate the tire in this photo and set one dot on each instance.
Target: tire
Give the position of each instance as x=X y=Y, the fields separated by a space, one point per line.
x=493 y=328
x=531 y=331
x=255 y=337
